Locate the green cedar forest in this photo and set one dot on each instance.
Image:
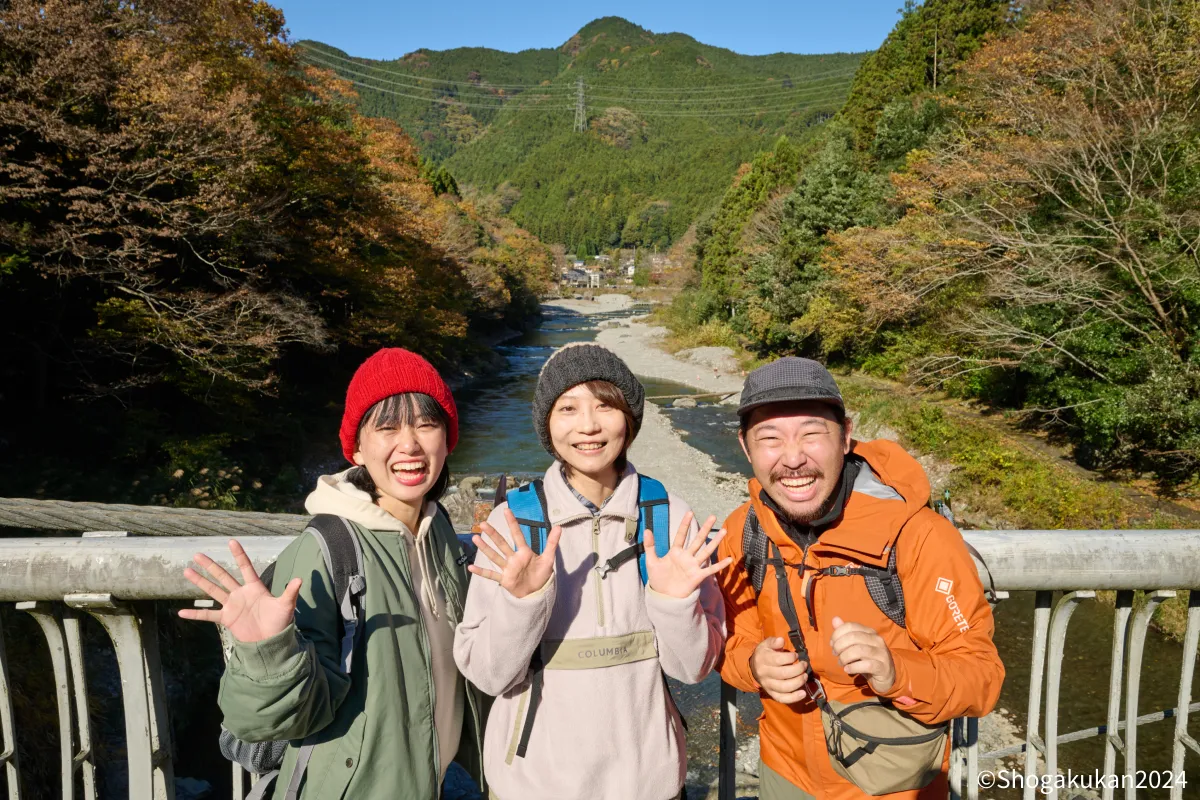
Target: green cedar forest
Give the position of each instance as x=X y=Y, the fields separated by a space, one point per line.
x=669 y=121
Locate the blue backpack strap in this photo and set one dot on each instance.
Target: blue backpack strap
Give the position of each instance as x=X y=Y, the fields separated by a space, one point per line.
x=654 y=510
x=528 y=505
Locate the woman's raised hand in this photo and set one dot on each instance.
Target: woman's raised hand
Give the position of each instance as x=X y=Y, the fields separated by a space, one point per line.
x=248 y=610
x=521 y=572
x=684 y=567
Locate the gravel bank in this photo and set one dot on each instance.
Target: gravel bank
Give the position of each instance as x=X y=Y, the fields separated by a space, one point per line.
x=598 y=305
x=640 y=345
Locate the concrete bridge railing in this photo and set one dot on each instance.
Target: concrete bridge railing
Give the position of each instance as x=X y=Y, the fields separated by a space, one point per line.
x=122 y=580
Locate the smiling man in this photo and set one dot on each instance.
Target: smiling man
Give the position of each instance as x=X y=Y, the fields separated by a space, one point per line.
x=855 y=610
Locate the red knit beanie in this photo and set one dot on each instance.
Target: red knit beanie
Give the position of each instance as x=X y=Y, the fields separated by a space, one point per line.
x=393 y=370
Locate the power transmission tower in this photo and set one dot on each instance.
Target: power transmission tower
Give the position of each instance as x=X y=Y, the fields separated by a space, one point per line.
x=580 y=108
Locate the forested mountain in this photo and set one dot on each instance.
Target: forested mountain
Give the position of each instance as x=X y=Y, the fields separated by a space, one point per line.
x=667 y=120
x=1005 y=209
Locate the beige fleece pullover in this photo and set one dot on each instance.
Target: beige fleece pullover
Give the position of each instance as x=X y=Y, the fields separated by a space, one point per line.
x=606 y=732
x=335 y=495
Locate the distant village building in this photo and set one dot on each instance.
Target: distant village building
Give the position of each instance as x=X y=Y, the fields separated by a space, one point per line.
x=576 y=277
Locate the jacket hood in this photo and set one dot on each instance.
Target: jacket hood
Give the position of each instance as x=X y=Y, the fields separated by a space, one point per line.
x=336 y=495
x=896 y=468
x=889 y=491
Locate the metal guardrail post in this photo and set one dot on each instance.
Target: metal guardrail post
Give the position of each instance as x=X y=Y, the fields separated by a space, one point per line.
x=1058 y=638
x=972 y=758
x=1033 y=742
x=1184 y=741
x=957 y=741
x=48 y=620
x=156 y=694
x=727 y=758
x=8 y=735
x=1112 y=739
x=1133 y=682
x=85 y=758
x=151 y=776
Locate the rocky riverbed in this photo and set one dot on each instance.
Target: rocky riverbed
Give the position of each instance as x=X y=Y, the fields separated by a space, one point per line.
x=661 y=449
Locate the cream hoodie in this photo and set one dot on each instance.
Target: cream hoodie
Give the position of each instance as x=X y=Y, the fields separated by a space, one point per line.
x=335 y=495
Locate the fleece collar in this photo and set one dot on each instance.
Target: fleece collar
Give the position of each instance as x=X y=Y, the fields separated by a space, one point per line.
x=565 y=506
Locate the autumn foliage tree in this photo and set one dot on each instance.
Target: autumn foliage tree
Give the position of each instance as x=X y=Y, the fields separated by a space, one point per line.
x=1026 y=235
x=186 y=209
x=1054 y=236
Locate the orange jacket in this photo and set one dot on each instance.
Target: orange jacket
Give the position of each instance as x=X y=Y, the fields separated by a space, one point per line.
x=945 y=660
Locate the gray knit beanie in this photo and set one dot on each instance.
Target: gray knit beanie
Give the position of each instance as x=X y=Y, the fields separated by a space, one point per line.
x=576 y=363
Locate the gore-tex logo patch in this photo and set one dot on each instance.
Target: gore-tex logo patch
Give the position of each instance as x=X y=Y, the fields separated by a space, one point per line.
x=944 y=586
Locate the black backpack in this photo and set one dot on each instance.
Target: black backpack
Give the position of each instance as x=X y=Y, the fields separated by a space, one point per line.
x=344 y=561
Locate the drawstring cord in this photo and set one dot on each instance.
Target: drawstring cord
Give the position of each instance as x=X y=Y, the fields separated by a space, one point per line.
x=429 y=578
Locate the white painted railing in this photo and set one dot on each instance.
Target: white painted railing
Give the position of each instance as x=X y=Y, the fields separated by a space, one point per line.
x=119 y=580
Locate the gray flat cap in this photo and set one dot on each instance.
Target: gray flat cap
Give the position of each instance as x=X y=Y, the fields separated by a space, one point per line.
x=789 y=378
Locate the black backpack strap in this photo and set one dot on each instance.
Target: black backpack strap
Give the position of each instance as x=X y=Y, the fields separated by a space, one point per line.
x=883 y=584
x=344 y=560
x=537 y=673
x=787 y=605
x=989 y=593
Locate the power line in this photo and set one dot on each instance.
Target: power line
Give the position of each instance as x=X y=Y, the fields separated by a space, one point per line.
x=793 y=94
x=764 y=83
x=309 y=58
x=800 y=92
x=450 y=100
x=748 y=112
x=729 y=87
x=359 y=63
x=546 y=108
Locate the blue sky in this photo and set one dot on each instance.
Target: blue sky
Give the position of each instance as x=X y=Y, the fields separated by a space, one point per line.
x=386 y=29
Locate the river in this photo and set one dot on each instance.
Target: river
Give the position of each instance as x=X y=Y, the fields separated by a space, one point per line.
x=497 y=436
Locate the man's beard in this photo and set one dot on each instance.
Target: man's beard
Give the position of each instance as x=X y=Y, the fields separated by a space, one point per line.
x=813 y=516
x=809 y=516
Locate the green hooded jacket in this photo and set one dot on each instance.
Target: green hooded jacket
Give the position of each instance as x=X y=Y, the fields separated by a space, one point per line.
x=374 y=729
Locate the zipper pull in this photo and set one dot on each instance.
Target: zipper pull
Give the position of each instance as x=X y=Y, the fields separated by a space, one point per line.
x=630 y=530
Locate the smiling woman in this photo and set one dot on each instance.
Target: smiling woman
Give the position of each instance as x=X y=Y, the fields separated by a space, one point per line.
x=571 y=638
x=592 y=426
x=289 y=674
